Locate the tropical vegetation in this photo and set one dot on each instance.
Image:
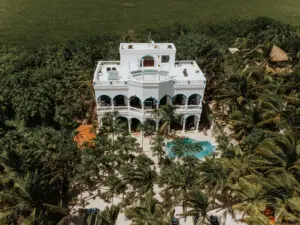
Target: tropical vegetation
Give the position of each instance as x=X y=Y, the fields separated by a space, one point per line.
x=251 y=102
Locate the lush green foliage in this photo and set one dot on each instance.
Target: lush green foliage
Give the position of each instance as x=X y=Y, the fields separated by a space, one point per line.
x=36 y=23
x=45 y=92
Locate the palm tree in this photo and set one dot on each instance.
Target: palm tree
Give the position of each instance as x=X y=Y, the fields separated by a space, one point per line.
x=109 y=124
x=31 y=198
x=282 y=193
x=279 y=154
x=237 y=89
x=139 y=175
x=214 y=175
x=167 y=114
x=249 y=197
x=178 y=179
x=257 y=220
x=198 y=205
x=244 y=120
x=146 y=128
x=271 y=105
x=158 y=148
x=148 y=212
x=108 y=216
x=115 y=186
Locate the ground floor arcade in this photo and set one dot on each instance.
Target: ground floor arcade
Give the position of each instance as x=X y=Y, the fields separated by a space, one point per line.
x=121 y=101
x=184 y=123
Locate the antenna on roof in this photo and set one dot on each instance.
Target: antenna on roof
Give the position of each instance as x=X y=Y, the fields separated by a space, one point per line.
x=149 y=38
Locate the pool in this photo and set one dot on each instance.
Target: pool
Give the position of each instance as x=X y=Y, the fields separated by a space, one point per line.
x=200 y=149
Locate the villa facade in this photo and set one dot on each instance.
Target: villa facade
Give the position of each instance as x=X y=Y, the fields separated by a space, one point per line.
x=147 y=77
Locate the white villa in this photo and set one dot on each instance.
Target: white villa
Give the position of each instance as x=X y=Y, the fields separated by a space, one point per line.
x=147 y=77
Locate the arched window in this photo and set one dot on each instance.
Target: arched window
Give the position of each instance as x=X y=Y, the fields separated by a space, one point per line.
x=147 y=61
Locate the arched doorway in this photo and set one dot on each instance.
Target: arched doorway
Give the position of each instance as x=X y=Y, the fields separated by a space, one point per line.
x=147 y=61
x=149 y=126
x=135 y=102
x=104 y=100
x=122 y=122
x=191 y=122
x=150 y=103
x=179 y=99
x=166 y=100
x=194 y=99
x=120 y=100
x=177 y=124
x=135 y=123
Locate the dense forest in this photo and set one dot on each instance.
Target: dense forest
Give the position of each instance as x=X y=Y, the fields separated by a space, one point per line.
x=252 y=102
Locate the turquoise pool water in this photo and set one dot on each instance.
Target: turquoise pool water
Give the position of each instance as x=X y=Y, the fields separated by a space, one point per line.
x=207 y=148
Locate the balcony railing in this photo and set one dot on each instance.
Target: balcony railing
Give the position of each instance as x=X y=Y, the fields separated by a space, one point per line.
x=130 y=109
x=186 y=82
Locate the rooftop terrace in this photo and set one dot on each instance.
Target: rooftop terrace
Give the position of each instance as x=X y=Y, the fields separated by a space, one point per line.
x=182 y=71
x=147 y=46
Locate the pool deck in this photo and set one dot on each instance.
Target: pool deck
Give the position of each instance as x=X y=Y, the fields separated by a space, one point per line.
x=97 y=202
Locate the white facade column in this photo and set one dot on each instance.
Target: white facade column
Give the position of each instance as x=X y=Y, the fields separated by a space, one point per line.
x=169 y=100
x=156 y=123
x=126 y=101
x=186 y=103
x=129 y=125
x=113 y=105
x=142 y=134
x=197 y=124
x=198 y=97
x=183 y=126
x=200 y=102
x=100 y=122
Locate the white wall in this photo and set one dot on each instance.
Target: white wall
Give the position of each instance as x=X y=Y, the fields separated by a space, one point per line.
x=134 y=56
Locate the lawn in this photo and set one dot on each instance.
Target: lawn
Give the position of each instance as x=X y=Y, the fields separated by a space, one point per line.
x=42 y=21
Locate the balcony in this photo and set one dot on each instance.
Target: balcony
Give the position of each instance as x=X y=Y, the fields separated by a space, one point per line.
x=180 y=109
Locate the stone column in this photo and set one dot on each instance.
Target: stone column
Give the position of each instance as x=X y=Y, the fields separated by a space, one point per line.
x=156 y=123
x=186 y=103
x=113 y=105
x=126 y=100
x=183 y=125
x=170 y=100
x=129 y=125
x=198 y=98
x=100 y=122
x=197 y=123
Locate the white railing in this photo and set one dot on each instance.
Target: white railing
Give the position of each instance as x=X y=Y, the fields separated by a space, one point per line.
x=112 y=83
x=98 y=71
x=102 y=63
x=104 y=107
x=135 y=109
x=193 y=106
x=186 y=82
x=180 y=62
x=150 y=78
x=179 y=108
x=120 y=107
